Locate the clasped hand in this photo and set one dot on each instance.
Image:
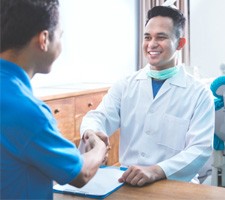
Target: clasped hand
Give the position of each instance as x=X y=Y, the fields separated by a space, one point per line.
x=93 y=139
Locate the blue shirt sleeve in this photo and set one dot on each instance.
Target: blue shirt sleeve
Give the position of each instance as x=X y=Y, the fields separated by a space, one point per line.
x=48 y=150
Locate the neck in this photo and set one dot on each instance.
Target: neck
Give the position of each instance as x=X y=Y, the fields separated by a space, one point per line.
x=19 y=59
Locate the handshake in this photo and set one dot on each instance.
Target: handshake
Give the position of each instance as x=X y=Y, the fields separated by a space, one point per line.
x=97 y=142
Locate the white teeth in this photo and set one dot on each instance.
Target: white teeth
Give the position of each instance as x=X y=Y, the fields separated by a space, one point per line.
x=154 y=52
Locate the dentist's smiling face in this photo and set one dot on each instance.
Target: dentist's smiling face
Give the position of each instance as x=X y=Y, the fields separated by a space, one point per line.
x=160 y=43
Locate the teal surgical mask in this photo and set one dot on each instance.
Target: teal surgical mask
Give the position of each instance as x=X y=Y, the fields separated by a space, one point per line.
x=163 y=74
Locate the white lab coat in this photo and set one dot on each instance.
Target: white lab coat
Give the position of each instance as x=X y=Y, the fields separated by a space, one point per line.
x=174 y=130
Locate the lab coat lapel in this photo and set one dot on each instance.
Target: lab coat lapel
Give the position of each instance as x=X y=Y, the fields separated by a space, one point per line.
x=165 y=87
x=176 y=80
x=146 y=83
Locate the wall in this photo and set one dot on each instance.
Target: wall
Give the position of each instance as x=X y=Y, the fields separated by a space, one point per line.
x=99 y=42
x=207 y=37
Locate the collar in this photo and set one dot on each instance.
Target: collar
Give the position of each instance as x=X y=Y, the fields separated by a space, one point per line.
x=178 y=79
x=15 y=71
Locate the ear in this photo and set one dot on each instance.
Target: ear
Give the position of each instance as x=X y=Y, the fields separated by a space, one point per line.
x=43 y=40
x=181 y=43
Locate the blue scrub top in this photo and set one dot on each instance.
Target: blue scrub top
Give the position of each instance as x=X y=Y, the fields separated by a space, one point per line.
x=33 y=151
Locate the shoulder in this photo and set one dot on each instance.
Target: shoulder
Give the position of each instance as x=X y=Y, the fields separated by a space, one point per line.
x=24 y=109
x=198 y=87
x=190 y=81
x=132 y=78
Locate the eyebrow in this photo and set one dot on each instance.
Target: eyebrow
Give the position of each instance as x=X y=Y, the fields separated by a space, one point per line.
x=160 y=33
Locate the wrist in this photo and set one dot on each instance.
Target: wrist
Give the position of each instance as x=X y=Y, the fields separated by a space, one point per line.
x=158 y=172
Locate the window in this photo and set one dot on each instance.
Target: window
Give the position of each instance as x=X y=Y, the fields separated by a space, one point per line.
x=100 y=42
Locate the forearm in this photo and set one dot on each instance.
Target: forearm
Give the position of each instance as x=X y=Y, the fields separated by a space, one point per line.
x=94 y=121
x=92 y=161
x=105 y=118
x=186 y=165
x=93 y=158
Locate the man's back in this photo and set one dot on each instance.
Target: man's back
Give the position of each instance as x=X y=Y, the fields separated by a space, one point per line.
x=26 y=132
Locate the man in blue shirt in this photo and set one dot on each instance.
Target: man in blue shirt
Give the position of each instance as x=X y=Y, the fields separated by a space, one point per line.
x=33 y=151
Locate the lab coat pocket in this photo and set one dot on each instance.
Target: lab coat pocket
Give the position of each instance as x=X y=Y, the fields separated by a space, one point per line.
x=173 y=131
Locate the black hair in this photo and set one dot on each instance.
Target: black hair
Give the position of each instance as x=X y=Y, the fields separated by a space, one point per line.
x=23 y=19
x=164 y=11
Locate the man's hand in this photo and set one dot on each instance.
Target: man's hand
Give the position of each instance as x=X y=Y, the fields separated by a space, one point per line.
x=141 y=175
x=89 y=143
x=95 y=154
x=90 y=139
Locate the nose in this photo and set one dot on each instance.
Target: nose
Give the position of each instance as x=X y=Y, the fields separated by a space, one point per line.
x=152 y=43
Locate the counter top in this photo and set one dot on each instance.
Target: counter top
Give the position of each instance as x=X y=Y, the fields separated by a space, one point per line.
x=59 y=91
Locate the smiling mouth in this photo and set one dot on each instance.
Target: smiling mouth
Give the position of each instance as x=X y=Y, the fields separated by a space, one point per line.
x=154 y=53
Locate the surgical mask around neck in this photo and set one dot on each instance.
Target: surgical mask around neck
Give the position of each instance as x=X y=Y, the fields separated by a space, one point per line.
x=163 y=74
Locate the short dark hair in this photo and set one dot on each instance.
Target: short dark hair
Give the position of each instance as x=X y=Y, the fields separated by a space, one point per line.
x=23 y=19
x=164 y=11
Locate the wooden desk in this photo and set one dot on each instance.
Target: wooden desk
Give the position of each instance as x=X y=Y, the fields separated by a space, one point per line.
x=162 y=190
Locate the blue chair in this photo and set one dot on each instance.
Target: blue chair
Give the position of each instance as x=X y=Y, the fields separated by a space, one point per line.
x=218 y=164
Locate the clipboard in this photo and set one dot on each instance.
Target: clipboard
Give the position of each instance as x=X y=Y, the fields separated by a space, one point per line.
x=104 y=183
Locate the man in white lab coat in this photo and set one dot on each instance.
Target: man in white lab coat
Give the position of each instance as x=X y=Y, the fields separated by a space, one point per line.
x=165 y=116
